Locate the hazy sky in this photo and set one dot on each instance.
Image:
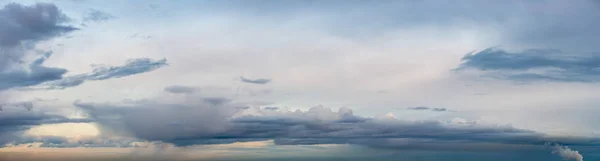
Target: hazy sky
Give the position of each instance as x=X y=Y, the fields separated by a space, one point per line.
x=410 y=80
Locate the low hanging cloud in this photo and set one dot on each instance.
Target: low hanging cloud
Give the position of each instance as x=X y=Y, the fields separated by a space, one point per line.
x=202 y=122
x=255 y=81
x=567 y=154
x=104 y=72
x=534 y=65
x=14 y=120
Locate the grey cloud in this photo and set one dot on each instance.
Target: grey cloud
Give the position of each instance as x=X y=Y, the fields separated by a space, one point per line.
x=97 y=16
x=180 y=89
x=21 y=27
x=255 y=81
x=189 y=124
x=103 y=72
x=14 y=120
x=567 y=154
x=534 y=65
x=31 y=23
x=37 y=74
x=271 y=108
x=428 y=108
x=543 y=23
x=216 y=100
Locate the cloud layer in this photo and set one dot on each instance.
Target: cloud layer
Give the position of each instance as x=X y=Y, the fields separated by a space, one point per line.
x=535 y=65
x=208 y=122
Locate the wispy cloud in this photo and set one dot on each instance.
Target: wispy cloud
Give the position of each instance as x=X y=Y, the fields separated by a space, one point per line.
x=180 y=89
x=418 y=108
x=97 y=16
x=534 y=65
x=104 y=72
x=255 y=81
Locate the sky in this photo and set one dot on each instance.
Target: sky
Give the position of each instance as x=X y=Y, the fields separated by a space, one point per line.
x=195 y=80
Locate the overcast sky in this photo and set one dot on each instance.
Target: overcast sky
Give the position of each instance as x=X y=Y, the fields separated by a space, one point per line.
x=427 y=80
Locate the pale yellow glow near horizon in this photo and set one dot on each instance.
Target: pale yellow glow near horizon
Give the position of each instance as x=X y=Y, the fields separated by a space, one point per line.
x=64 y=130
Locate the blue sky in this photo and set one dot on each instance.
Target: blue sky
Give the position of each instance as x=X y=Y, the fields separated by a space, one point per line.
x=283 y=80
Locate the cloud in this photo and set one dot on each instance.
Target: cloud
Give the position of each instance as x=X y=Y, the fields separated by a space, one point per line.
x=567 y=154
x=21 y=28
x=216 y=100
x=34 y=23
x=180 y=89
x=255 y=81
x=201 y=122
x=14 y=120
x=97 y=16
x=104 y=72
x=428 y=108
x=545 y=23
x=534 y=65
x=35 y=74
x=271 y=108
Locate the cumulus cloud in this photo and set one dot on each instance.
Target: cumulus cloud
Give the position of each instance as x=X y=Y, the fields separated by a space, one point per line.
x=103 y=72
x=567 y=154
x=534 y=65
x=204 y=122
x=255 y=81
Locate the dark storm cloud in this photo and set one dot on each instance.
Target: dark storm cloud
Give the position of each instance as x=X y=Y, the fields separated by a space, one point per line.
x=180 y=89
x=255 y=81
x=534 y=65
x=189 y=124
x=428 y=108
x=104 y=72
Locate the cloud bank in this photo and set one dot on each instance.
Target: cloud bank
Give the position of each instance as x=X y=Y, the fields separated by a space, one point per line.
x=207 y=122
